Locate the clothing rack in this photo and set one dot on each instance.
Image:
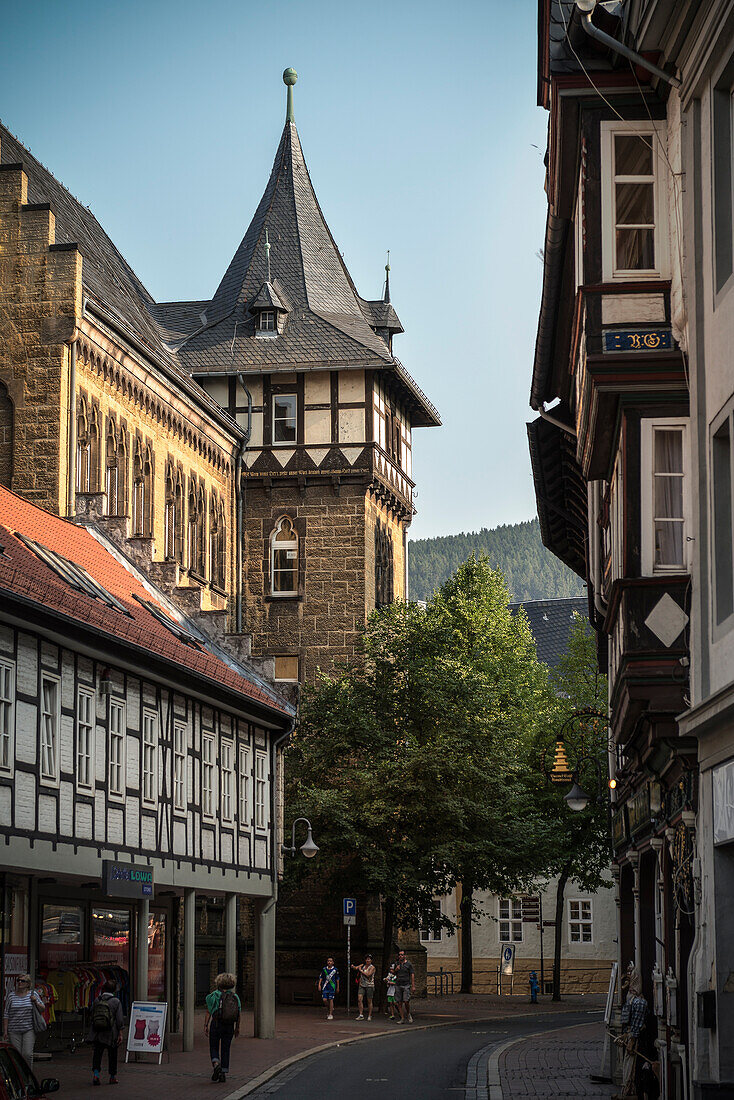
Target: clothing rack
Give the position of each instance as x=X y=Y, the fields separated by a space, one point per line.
x=70 y=991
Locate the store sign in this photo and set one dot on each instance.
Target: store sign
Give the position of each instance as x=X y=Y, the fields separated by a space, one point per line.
x=619 y=827
x=638 y=810
x=147 y=1029
x=638 y=340
x=126 y=880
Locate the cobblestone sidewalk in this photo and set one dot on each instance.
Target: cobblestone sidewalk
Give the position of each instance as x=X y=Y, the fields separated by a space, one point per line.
x=559 y=1064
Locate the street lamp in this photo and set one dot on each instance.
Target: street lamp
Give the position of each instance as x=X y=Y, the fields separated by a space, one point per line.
x=562 y=771
x=309 y=848
x=577 y=799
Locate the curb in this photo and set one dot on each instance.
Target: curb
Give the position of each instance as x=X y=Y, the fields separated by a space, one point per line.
x=494 y=1083
x=273 y=1071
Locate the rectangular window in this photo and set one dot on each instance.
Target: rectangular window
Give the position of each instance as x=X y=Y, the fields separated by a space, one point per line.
x=261 y=790
x=665 y=493
x=50 y=723
x=580 y=924
x=267 y=320
x=7 y=717
x=430 y=932
x=150 y=757
x=207 y=775
x=85 y=738
x=284 y=418
x=226 y=771
x=117 y=750
x=286 y=669
x=722 y=101
x=245 y=796
x=722 y=521
x=634 y=222
x=180 y=738
x=510 y=920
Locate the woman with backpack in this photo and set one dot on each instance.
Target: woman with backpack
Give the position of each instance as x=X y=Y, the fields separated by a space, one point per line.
x=222 y=1023
x=105 y=1031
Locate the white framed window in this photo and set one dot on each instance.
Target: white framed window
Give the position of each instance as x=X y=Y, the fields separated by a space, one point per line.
x=580 y=921
x=665 y=504
x=635 y=235
x=7 y=717
x=150 y=758
x=180 y=739
x=284 y=559
x=245 y=777
x=510 y=920
x=50 y=726
x=208 y=779
x=428 y=932
x=117 y=768
x=85 y=702
x=261 y=790
x=226 y=772
x=284 y=418
x=267 y=320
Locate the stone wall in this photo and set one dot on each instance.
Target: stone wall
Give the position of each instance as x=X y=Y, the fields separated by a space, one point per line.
x=376 y=512
x=577 y=975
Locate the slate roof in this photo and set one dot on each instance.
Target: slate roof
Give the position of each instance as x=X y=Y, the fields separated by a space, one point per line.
x=550 y=624
x=24 y=574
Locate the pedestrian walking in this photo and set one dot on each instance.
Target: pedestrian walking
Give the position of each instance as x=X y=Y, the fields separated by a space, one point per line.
x=105 y=1031
x=534 y=987
x=329 y=986
x=390 y=979
x=366 y=991
x=222 y=1023
x=404 y=986
x=20 y=1020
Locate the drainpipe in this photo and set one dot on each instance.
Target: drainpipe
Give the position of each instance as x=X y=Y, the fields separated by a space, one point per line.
x=618 y=47
x=240 y=504
x=71 y=433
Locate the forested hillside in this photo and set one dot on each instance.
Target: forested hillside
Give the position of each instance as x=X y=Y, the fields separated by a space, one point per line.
x=532 y=572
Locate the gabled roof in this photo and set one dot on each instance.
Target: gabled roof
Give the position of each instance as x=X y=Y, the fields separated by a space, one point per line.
x=24 y=575
x=267 y=298
x=550 y=624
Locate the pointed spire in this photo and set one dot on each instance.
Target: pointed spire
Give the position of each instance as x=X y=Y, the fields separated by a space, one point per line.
x=267 y=253
x=386 y=295
x=290 y=76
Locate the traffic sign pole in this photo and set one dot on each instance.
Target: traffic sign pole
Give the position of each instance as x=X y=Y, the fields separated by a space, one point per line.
x=349 y=966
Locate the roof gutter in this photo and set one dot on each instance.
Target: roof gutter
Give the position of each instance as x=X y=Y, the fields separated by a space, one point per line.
x=624 y=51
x=556 y=233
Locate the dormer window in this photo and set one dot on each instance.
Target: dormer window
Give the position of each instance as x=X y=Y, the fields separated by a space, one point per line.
x=267 y=320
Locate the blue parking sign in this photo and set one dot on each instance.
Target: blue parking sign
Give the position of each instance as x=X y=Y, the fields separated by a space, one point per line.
x=350 y=907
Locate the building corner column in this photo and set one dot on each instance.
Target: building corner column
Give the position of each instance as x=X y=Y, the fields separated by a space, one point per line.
x=230 y=934
x=265 y=967
x=141 y=968
x=633 y=858
x=189 y=990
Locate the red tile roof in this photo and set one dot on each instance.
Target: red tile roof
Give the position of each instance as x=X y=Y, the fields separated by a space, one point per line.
x=23 y=573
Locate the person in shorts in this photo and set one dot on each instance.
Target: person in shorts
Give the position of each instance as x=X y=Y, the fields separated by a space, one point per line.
x=390 y=979
x=404 y=986
x=329 y=986
x=366 y=991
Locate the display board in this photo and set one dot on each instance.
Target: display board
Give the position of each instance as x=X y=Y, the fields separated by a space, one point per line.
x=147 y=1028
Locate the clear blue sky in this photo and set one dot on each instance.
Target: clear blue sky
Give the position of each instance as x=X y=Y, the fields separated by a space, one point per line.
x=420 y=130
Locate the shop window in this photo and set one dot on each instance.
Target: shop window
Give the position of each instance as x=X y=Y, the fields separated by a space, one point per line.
x=62 y=928
x=634 y=221
x=284 y=559
x=580 y=923
x=665 y=496
x=226 y=772
x=384 y=579
x=261 y=790
x=180 y=738
x=510 y=920
x=150 y=758
x=117 y=750
x=111 y=936
x=431 y=931
x=245 y=778
x=286 y=668
x=157 y=957
x=7 y=717
x=85 y=700
x=14 y=928
x=284 y=418
x=50 y=724
x=207 y=775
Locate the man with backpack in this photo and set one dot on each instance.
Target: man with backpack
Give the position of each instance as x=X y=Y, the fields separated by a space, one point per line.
x=105 y=1032
x=222 y=1023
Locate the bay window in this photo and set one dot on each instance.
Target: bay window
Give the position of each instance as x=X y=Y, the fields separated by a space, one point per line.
x=634 y=211
x=665 y=495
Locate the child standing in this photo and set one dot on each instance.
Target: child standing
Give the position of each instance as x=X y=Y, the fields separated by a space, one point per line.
x=329 y=986
x=534 y=987
x=390 y=979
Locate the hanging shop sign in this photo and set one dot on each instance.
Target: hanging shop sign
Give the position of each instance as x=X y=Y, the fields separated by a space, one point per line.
x=619 y=827
x=638 y=810
x=147 y=1029
x=127 y=880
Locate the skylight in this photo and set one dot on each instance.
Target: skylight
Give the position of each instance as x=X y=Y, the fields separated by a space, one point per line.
x=177 y=629
x=75 y=575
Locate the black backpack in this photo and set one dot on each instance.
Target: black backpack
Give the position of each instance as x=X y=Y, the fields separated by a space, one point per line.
x=103 y=1018
x=228 y=1010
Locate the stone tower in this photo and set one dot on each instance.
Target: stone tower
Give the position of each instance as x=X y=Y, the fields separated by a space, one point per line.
x=306 y=367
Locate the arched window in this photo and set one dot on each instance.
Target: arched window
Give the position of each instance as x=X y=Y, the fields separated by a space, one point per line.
x=115 y=469
x=142 y=489
x=95 y=438
x=284 y=559
x=217 y=545
x=384 y=581
x=7 y=431
x=169 y=519
x=196 y=528
x=83 y=447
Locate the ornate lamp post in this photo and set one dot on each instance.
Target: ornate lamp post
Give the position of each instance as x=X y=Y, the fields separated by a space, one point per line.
x=577 y=799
